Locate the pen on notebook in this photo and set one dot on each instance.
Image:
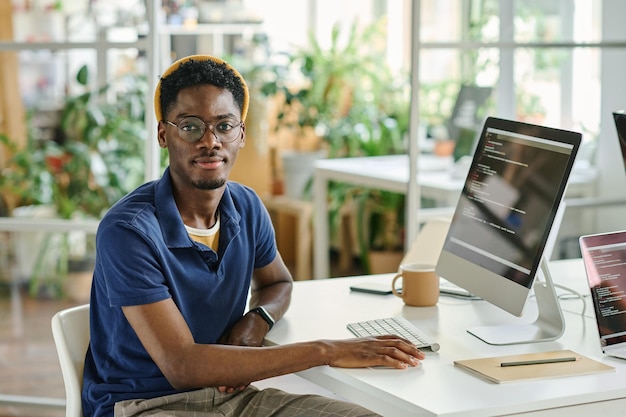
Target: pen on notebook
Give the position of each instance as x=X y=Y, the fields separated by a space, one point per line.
x=539 y=361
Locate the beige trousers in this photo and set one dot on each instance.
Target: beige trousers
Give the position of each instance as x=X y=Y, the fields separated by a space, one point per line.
x=251 y=402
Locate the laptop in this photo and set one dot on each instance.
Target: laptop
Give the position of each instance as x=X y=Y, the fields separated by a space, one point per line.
x=604 y=256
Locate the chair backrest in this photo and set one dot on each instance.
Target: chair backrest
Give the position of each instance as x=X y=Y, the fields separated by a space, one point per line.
x=428 y=243
x=70 y=329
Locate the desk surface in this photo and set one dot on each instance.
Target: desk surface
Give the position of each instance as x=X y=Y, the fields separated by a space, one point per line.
x=320 y=310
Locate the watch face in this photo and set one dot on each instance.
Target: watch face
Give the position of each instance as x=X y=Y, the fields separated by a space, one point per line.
x=265 y=315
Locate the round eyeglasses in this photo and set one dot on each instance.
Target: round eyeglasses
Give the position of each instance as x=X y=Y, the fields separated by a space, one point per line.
x=192 y=129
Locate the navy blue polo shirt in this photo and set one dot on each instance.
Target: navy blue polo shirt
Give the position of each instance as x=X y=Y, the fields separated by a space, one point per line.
x=145 y=255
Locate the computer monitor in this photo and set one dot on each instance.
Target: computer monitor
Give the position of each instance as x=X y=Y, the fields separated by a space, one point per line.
x=466 y=118
x=502 y=223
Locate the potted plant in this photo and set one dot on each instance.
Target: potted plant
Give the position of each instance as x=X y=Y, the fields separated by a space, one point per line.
x=95 y=158
x=380 y=227
x=324 y=95
x=380 y=215
x=338 y=101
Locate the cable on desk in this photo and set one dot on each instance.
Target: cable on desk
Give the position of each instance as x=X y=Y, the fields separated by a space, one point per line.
x=575 y=293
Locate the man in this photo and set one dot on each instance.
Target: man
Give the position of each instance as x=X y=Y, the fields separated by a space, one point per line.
x=176 y=259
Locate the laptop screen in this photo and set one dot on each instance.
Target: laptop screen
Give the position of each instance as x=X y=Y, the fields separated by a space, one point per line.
x=604 y=255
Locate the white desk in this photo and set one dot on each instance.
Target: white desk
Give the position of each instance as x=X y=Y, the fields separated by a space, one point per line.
x=391 y=173
x=320 y=309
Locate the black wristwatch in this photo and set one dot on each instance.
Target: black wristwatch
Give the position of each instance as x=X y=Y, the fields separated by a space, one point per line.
x=261 y=311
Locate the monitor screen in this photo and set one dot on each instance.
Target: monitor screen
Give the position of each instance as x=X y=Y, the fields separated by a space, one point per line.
x=466 y=114
x=506 y=210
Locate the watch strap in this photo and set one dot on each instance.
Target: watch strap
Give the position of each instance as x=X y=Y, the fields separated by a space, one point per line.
x=261 y=311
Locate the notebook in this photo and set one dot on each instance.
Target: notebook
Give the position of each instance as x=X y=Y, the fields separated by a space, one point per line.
x=604 y=256
x=532 y=366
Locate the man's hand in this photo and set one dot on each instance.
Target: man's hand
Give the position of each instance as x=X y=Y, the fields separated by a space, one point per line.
x=250 y=330
x=228 y=390
x=389 y=351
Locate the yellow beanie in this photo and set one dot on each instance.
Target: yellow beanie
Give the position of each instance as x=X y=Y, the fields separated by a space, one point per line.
x=157 y=94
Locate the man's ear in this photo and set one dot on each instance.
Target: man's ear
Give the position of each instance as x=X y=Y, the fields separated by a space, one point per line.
x=161 y=135
x=243 y=137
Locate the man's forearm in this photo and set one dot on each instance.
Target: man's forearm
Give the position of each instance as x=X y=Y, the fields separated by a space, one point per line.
x=275 y=298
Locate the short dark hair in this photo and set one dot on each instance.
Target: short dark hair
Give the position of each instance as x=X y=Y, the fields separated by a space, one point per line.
x=195 y=73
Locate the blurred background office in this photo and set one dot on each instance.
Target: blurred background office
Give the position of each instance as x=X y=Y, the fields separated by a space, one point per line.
x=341 y=78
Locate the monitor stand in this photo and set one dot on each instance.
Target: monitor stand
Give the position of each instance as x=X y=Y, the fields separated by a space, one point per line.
x=549 y=324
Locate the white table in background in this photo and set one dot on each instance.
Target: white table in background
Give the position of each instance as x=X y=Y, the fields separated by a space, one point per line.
x=391 y=173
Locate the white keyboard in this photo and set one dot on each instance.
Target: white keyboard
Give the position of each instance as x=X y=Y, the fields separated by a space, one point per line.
x=394 y=325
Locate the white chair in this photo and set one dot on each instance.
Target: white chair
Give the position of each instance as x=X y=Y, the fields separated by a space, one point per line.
x=428 y=243
x=70 y=329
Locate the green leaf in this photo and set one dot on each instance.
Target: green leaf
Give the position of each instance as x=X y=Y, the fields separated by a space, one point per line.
x=83 y=75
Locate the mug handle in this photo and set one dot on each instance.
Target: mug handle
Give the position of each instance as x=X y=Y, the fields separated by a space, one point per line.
x=393 y=285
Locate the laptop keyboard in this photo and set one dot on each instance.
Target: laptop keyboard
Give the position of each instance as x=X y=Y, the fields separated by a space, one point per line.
x=394 y=326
